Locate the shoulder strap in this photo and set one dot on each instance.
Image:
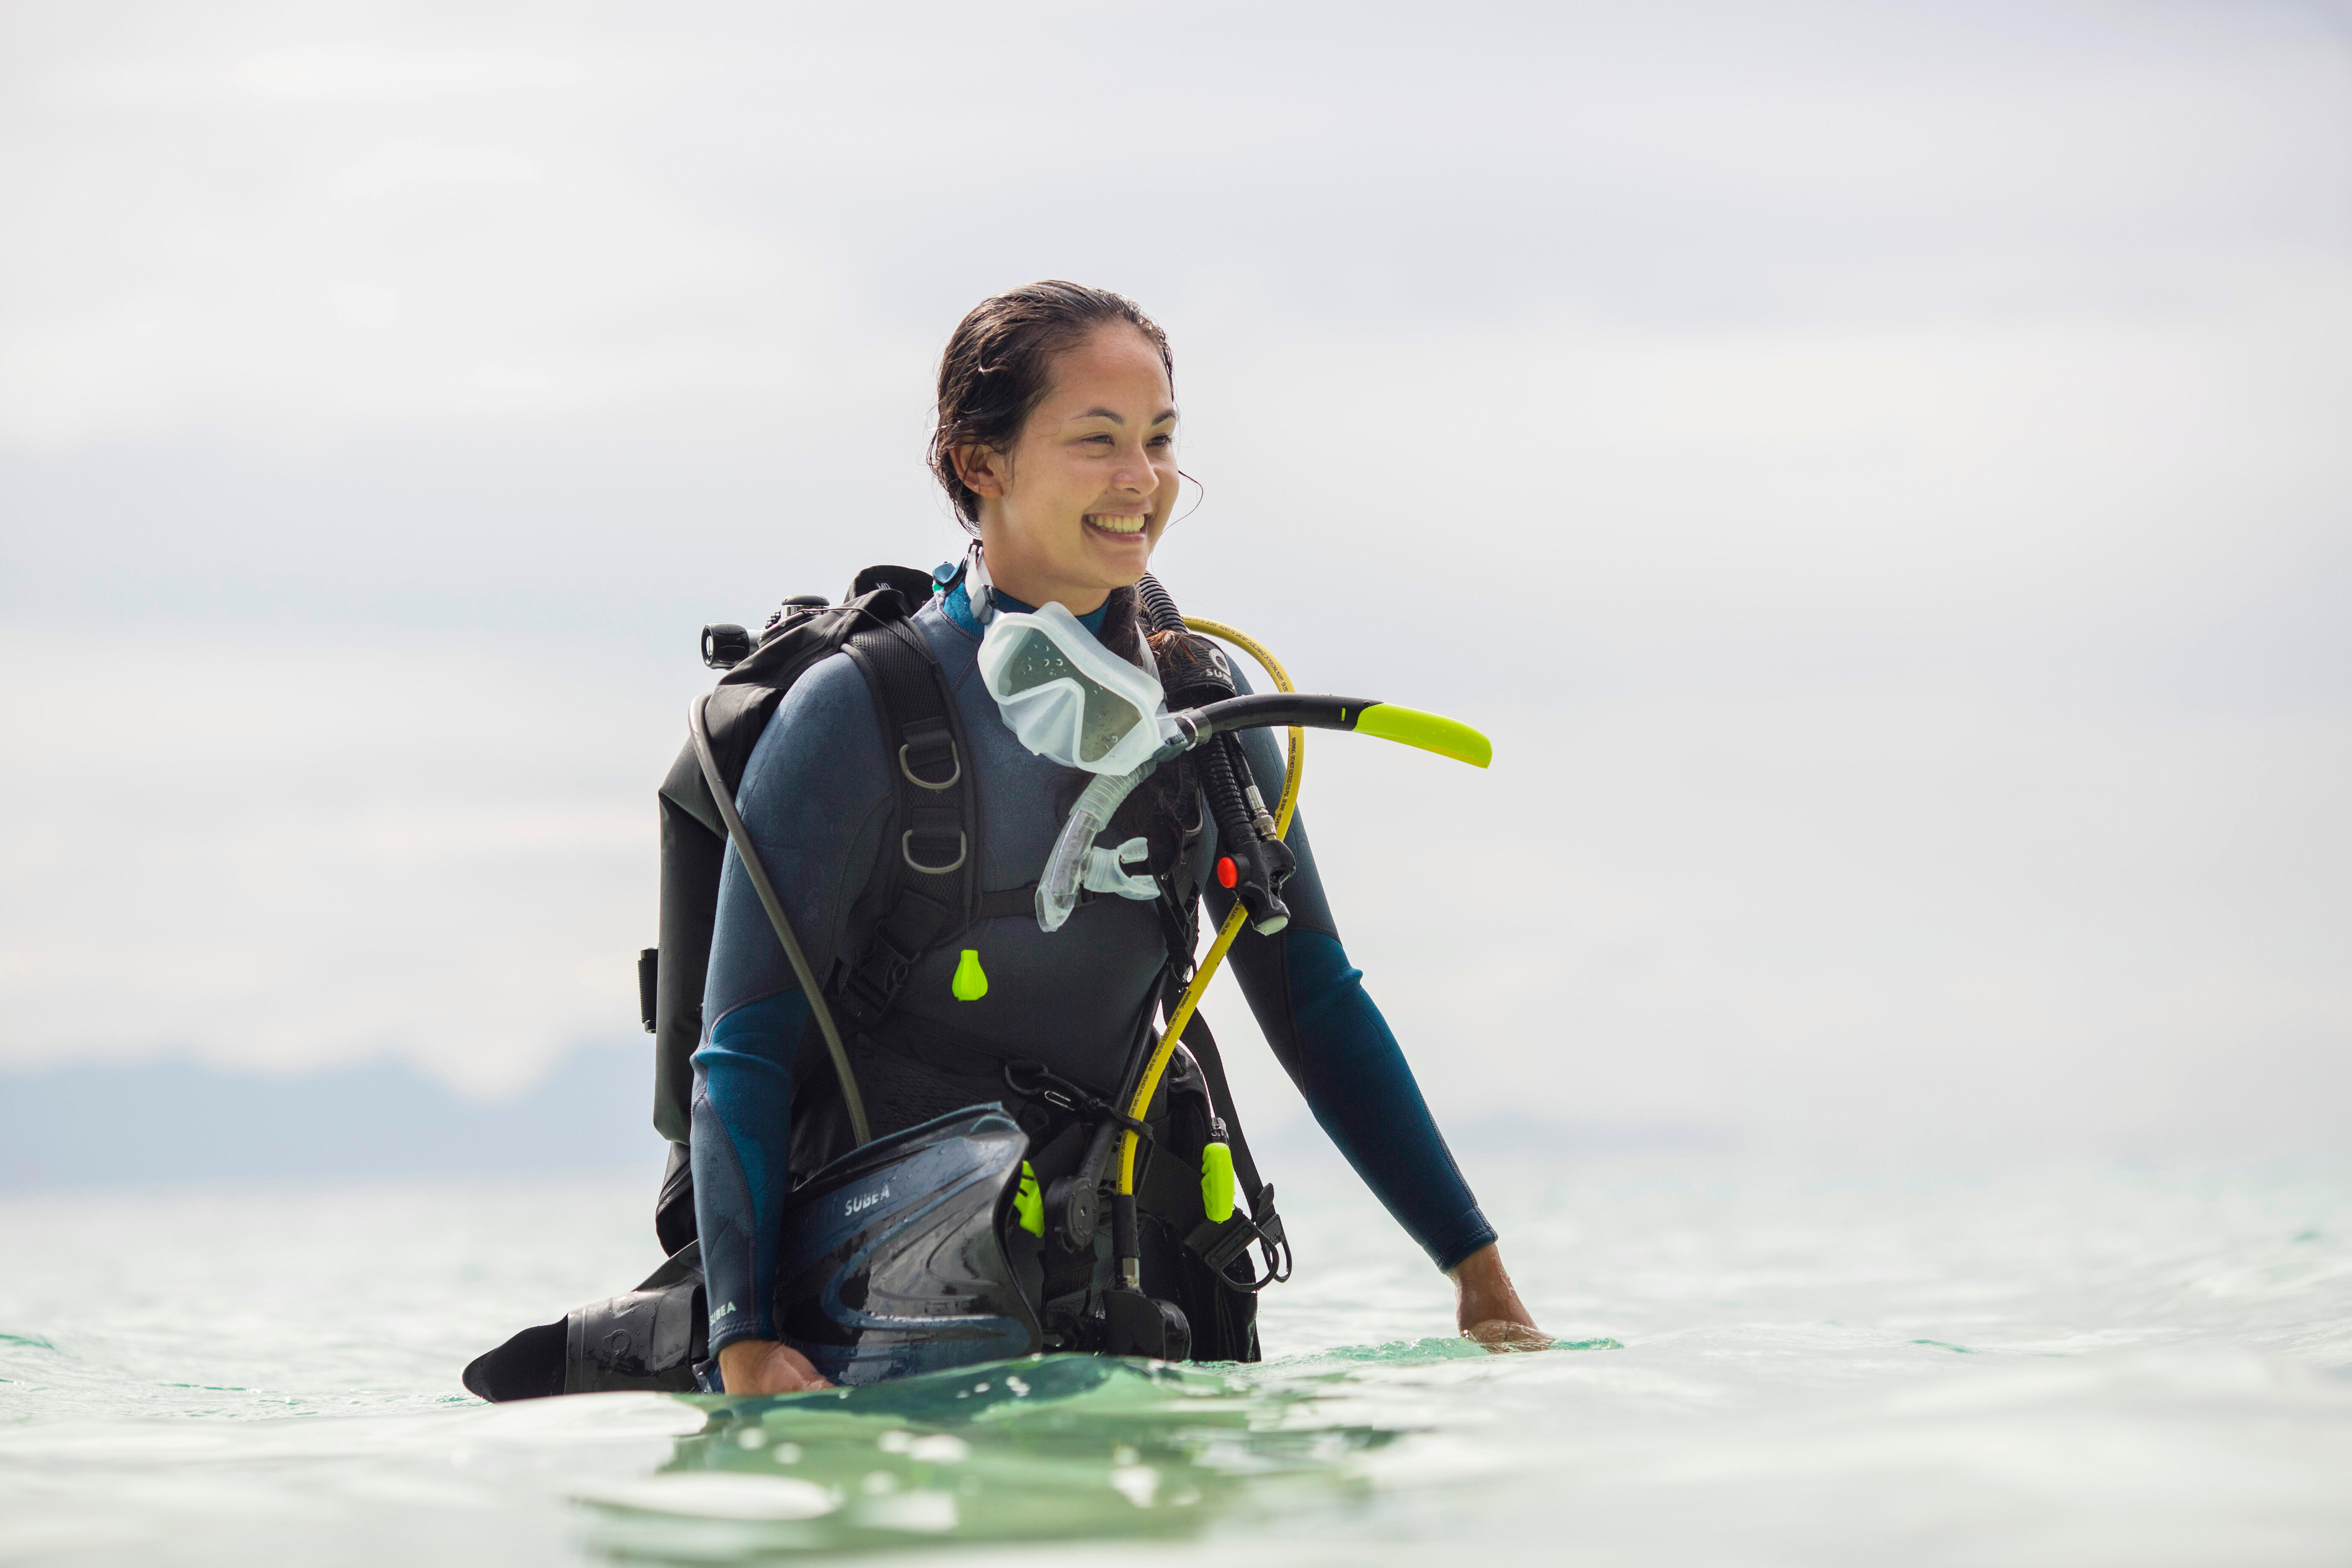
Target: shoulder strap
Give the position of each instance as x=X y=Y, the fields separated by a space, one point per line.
x=929 y=861
x=694 y=834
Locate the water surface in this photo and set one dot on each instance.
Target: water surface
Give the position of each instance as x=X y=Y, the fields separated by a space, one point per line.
x=2074 y=1364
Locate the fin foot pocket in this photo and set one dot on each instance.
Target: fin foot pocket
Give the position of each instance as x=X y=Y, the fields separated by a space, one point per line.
x=649 y=1338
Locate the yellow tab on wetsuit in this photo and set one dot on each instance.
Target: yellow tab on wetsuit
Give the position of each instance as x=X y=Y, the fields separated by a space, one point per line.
x=1028 y=1207
x=1217 y=1181
x=971 y=982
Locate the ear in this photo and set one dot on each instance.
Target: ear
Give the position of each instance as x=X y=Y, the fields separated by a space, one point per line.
x=983 y=470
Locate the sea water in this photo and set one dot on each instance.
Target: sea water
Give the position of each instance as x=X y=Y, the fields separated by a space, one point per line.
x=2070 y=1364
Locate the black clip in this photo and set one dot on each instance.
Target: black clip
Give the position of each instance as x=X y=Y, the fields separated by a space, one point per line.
x=1218 y=1244
x=1056 y=1090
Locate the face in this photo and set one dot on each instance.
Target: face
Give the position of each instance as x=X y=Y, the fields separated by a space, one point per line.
x=1073 y=510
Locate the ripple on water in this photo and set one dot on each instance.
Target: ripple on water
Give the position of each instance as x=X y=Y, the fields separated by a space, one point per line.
x=1042 y=1449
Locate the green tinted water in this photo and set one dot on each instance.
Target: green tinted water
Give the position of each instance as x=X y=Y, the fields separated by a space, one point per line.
x=1038 y=1449
x=1761 y=1370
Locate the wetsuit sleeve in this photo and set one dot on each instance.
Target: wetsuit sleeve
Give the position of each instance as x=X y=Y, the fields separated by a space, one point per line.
x=814 y=795
x=743 y=1094
x=1311 y=1005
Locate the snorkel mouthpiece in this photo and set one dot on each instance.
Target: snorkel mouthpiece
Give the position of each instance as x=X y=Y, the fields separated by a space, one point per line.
x=1066 y=867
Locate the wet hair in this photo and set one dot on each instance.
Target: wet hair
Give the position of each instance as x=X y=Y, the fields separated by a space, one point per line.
x=999 y=366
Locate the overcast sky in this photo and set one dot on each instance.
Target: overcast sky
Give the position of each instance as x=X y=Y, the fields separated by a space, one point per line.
x=1879 y=473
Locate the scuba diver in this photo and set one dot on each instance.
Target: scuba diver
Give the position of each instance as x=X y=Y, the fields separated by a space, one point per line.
x=920 y=1112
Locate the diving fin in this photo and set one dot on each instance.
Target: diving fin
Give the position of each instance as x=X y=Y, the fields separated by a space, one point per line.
x=649 y=1338
x=894 y=1257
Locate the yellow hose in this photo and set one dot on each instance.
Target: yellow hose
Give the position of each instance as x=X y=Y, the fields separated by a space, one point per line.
x=1232 y=927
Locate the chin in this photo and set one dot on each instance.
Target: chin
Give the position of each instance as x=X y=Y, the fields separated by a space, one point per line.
x=1117 y=573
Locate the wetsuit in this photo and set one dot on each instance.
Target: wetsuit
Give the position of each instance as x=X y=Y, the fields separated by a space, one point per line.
x=817 y=796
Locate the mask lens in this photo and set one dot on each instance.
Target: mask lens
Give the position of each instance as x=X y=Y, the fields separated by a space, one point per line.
x=1109 y=719
x=1036 y=661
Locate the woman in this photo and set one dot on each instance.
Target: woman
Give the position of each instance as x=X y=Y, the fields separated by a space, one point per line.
x=1056 y=443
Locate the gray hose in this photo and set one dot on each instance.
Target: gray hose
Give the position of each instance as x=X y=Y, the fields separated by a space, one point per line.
x=719 y=792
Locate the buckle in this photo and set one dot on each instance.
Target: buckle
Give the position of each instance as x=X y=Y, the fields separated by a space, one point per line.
x=1056 y=1090
x=929 y=736
x=907 y=848
x=1218 y=1245
x=874 y=983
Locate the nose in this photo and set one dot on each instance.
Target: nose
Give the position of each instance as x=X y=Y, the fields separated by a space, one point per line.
x=1135 y=473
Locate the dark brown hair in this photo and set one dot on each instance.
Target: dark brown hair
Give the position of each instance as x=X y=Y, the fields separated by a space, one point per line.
x=999 y=366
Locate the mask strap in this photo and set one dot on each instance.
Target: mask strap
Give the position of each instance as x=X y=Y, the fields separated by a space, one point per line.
x=977 y=589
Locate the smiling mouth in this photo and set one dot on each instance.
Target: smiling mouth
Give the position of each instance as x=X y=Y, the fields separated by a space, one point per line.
x=1116 y=524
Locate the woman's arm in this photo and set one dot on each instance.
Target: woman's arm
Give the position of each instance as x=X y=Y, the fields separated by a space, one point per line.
x=741 y=1149
x=813 y=794
x=1325 y=1029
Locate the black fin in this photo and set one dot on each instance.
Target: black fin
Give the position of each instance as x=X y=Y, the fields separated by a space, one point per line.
x=528 y=1366
x=674 y=1209
x=650 y=1338
x=647 y=1339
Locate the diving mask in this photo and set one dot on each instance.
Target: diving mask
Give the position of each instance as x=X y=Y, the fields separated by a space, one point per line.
x=1067 y=698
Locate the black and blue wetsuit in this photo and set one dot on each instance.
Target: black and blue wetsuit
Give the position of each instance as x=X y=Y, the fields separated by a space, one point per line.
x=817 y=796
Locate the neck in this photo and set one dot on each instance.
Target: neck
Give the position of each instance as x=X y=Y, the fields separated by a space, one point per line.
x=1036 y=582
x=1078 y=599
x=957 y=607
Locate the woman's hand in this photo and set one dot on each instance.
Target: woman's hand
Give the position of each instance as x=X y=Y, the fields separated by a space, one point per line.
x=1485 y=1308
x=767 y=1366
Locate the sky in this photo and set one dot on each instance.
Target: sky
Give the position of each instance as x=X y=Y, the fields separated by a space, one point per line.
x=1878 y=474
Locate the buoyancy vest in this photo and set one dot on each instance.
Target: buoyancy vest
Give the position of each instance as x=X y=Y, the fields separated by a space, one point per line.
x=918 y=900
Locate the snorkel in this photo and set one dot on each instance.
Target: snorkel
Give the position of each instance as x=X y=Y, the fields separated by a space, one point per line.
x=1057 y=889
x=1066 y=698
x=1285 y=707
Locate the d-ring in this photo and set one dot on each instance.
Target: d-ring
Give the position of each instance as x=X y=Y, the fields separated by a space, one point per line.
x=954 y=756
x=907 y=848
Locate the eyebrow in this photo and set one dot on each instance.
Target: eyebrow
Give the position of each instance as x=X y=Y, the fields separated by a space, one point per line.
x=1166 y=415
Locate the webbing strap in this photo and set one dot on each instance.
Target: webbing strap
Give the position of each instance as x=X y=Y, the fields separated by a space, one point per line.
x=929 y=865
x=1203 y=1047
x=1218 y=1244
x=1010 y=901
x=1007 y=902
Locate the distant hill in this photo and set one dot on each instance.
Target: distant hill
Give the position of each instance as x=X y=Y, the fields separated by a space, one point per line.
x=168 y=1122
x=177 y=1121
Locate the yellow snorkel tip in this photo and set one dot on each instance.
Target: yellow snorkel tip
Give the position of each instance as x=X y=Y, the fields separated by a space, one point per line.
x=1429 y=732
